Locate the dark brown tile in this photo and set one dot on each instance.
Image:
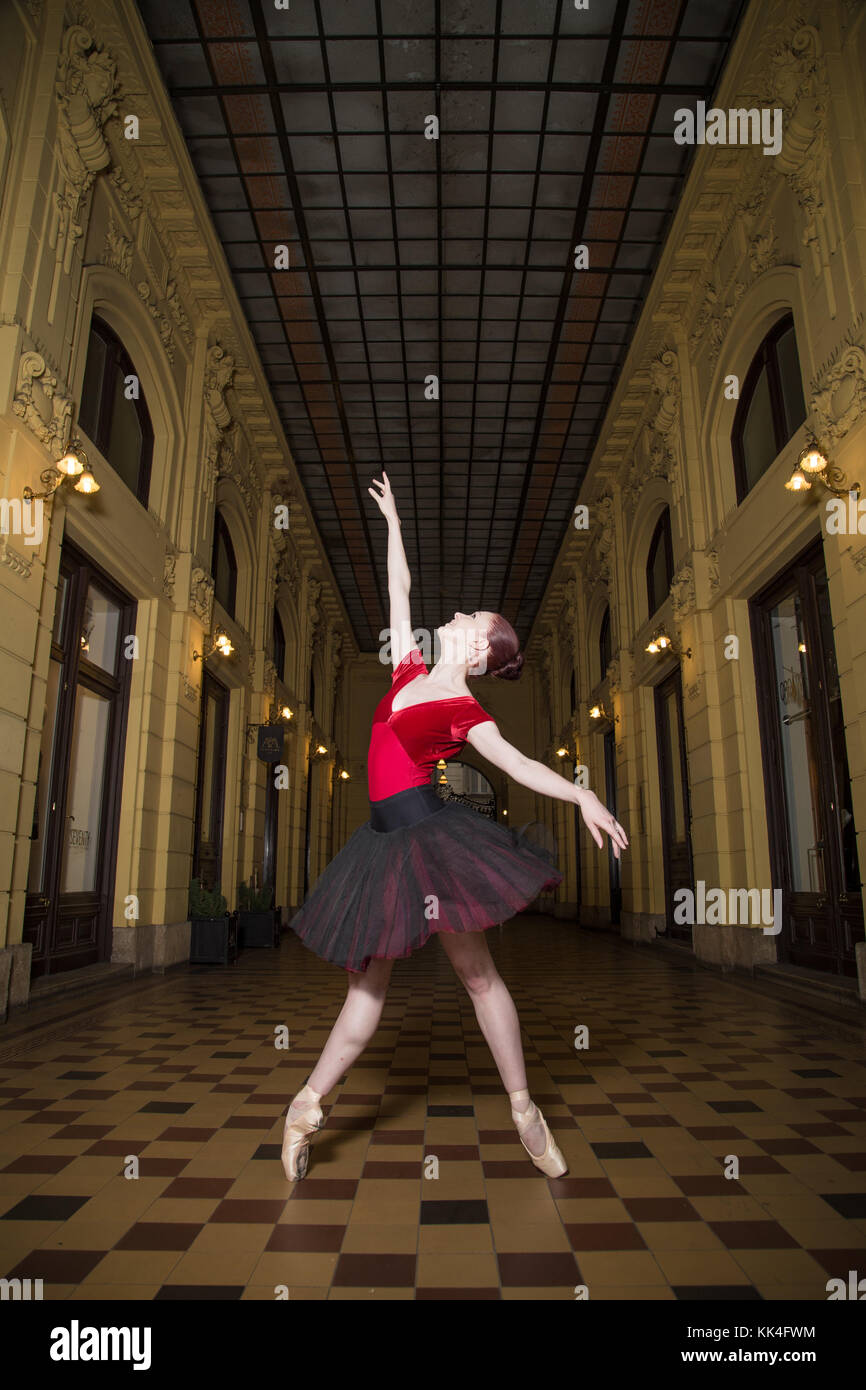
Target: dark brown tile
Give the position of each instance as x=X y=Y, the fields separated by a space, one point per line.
x=753 y=1235
x=604 y=1235
x=159 y=1235
x=375 y=1271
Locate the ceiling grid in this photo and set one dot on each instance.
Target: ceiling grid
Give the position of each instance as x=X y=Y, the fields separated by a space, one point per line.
x=453 y=257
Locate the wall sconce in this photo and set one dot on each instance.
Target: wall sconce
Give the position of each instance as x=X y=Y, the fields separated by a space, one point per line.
x=321 y=750
x=274 y=717
x=221 y=643
x=662 y=643
x=442 y=764
x=813 y=463
x=344 y=775
x=70 y=466
x=599 y=712
x=562 y=753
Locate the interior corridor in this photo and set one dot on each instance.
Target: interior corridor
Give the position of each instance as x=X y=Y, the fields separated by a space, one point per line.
x=683 y=1068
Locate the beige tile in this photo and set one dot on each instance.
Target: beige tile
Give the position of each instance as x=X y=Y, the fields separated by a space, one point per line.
x=468 y=1269
x=781 y=1267
x=619 y=1266
x=231 y=1267
x=134 y=1267
x=292 y=1267
x=439 y=1240
x=700 y=1267
x=362 y=1238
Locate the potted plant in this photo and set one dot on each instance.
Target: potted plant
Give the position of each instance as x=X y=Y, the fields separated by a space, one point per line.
x=213 y=935
x=256 y=916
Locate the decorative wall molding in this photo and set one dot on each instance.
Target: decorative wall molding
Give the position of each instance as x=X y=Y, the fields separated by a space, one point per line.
x=190 y=692
x=169 y=574
x=45 y=411
x=129 y=199
x=19 y=564
x=85 y=88
x=683 y=592
x=218 y=376
x=714 y=314
x=166 y=333
x=764 y=249
x=711 y=555
x=201 y=594
x=839 y=393
x=613 y=676
x=270 y=678
x=117 y=250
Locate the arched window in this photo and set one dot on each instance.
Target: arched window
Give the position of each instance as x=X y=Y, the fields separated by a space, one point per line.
x=660 y=563
x=771 y=407
x=279 y=647
x=223 y=566
x=605 y=652
x=113 y=410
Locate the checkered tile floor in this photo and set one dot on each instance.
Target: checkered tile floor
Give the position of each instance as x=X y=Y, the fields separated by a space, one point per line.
x=684 y=1069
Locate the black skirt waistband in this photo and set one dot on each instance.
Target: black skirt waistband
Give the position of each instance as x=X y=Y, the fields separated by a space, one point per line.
x=405 y=808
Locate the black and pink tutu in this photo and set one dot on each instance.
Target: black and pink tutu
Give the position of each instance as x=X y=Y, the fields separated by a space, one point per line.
x=419 y=865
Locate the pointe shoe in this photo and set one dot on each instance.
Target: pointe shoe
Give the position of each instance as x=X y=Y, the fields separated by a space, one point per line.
x=551 y=1162
x=296 y=1136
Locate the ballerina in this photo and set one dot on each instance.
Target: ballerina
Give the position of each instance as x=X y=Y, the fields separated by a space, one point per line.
x=422 y=866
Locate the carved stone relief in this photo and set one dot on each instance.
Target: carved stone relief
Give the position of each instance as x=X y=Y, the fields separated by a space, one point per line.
x=201 y=594
x=37 y=402
x=839 y=394
x=166 y=333
x=683 y=592
x=169 y=574
x=117 y=251
x=85 y=88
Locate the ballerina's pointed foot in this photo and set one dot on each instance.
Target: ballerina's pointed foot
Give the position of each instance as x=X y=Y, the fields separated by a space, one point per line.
x=533 y=1131
x=304 y=1117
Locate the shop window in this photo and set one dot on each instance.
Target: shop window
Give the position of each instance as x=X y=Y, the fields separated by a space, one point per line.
x=113 y=410
x=223 y=566
x=660 y=563
x=279 y=647
x=605 y=652
x=771 y=407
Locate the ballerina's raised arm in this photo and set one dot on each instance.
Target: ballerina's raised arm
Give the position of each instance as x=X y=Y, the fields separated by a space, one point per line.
x=399 y=579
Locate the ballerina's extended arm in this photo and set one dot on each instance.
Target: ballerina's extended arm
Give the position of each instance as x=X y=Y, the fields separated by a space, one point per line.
x=489 y=742
x=399 y=579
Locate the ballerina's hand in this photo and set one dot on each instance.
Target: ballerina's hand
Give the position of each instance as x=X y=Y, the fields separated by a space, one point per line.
x=384 y=499
x=597 y=817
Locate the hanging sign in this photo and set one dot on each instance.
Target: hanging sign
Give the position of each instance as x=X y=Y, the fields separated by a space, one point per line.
x=271 y=741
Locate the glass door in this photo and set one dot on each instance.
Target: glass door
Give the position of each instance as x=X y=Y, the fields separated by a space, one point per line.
x=70 y=885
x=812 y=834
x=676 y=809
x=211 y=783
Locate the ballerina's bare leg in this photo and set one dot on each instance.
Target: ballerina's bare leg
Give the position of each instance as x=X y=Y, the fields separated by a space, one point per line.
x=356 y=1023
x=496 y=1014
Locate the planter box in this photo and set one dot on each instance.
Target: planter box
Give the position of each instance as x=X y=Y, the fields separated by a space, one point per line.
x=258 y=928
x=213 y=940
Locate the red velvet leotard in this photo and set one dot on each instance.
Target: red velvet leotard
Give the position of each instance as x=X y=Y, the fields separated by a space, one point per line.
x=405 y=744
